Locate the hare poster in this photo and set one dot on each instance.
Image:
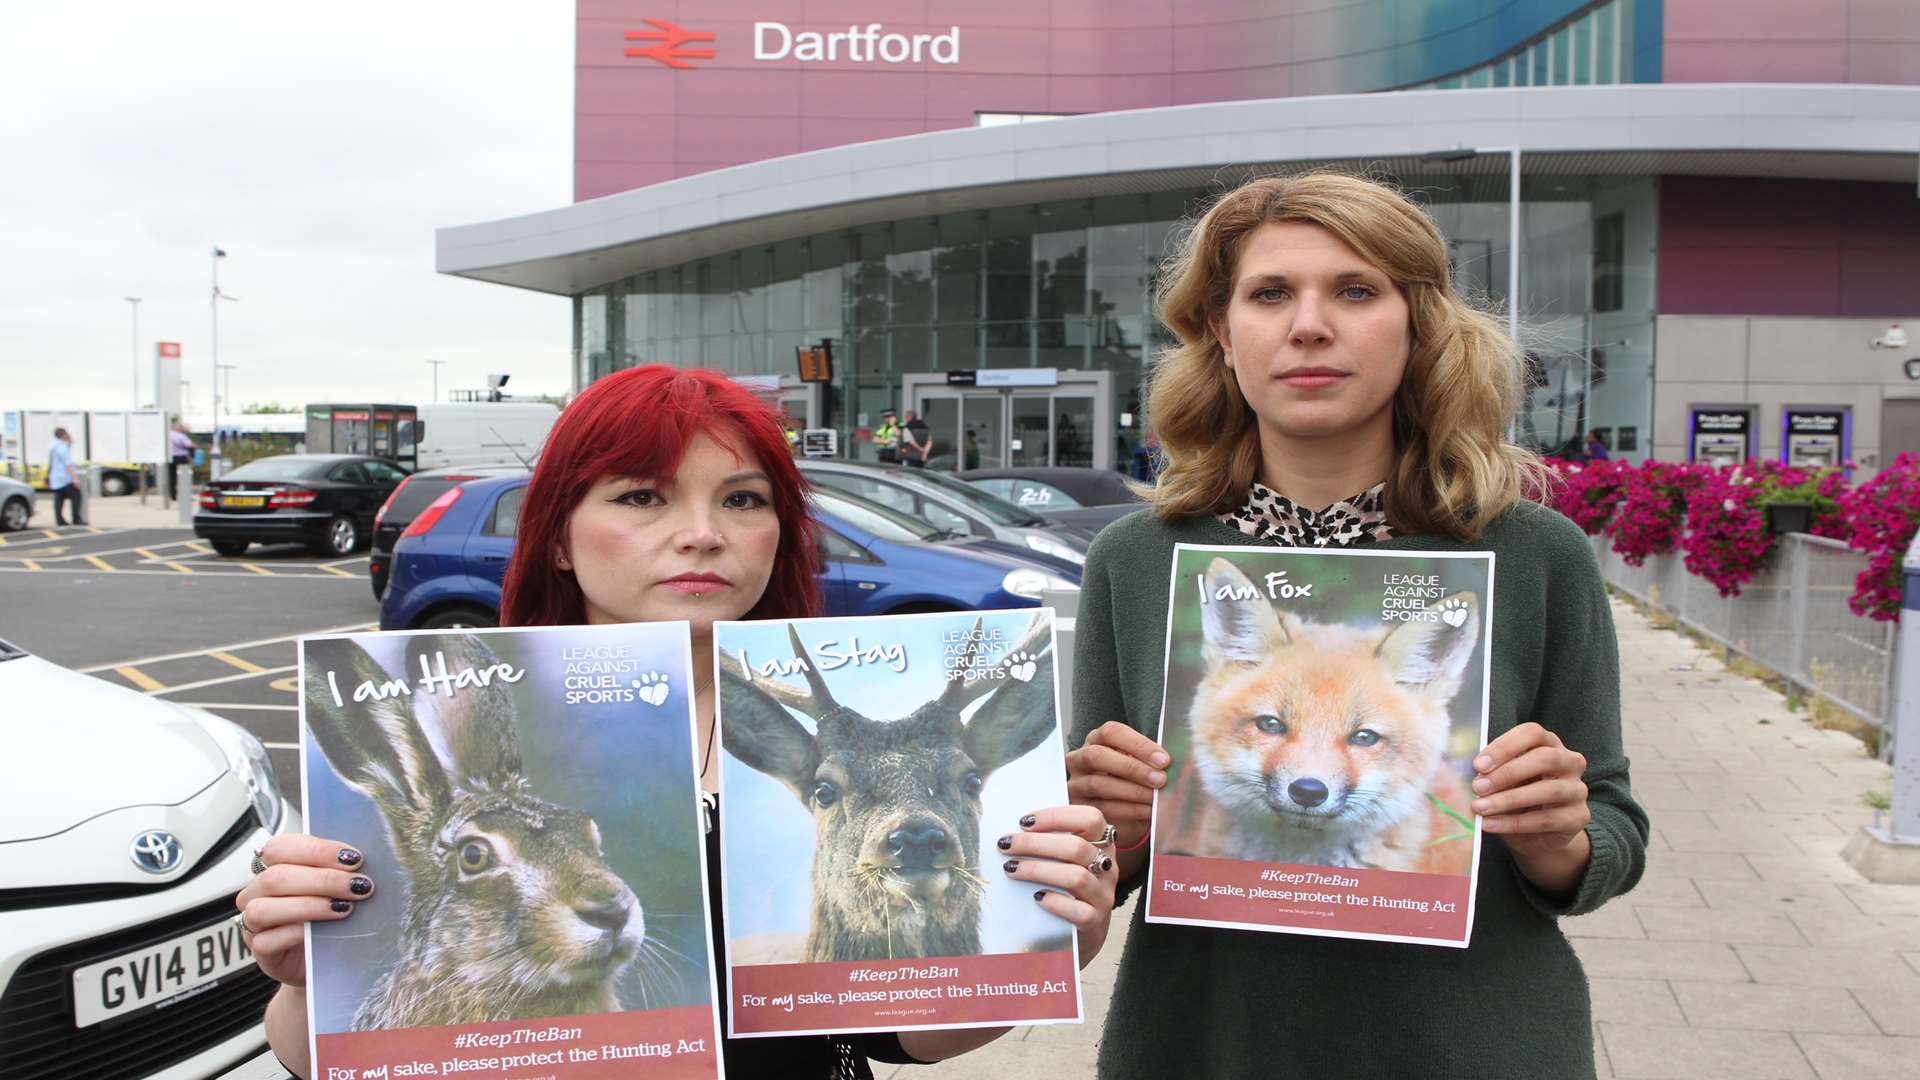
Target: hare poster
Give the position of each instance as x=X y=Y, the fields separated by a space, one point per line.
x=527 y=806
x=1322 y=709
x=868 y=767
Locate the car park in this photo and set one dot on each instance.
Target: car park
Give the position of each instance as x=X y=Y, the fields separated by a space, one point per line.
x=450 y=563
x=325 y=501
x=119 y=957
x=16 y=504
x=417 y=492
x=1073 y=495
x=950 y=504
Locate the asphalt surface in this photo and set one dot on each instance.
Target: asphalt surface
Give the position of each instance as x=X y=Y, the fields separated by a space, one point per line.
x=155 y=611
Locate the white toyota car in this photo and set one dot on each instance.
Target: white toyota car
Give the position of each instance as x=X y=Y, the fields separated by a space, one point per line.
x=127 y=824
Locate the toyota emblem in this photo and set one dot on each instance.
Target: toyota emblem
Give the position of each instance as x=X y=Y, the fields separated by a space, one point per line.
x=156 y=851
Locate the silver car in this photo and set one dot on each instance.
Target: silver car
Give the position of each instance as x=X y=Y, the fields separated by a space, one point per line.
x=16 y=504
x=953 y=505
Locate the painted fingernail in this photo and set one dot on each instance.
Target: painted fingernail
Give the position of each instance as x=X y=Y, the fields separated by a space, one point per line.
x=342 y=906
x=1012 y=865
x=1028 y=821
x=360 y=886
x=348 y=857
x=1005 y=842
x=1039 y=896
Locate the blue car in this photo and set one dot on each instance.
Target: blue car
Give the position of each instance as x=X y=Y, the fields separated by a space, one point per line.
x=449 y=564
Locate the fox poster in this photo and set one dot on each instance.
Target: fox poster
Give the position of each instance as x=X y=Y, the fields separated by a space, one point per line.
x=869 y=767
x=1322 y=709
x=526 y=809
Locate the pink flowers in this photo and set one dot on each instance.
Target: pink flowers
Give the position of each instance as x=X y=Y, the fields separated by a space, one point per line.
x=1881 y=516
x=1654 y=509
x=1589 y=491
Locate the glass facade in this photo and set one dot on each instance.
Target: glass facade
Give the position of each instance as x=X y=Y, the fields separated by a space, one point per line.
x=1068 y=285
x=1593 y=48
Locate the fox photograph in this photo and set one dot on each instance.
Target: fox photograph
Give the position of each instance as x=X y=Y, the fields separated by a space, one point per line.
x=526 y=801
x=1322 y=709
x=869 y=767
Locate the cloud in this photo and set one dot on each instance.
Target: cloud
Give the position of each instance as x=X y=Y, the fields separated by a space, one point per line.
x=320 y=146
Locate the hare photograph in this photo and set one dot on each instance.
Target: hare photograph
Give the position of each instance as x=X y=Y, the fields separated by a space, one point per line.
x=527 y=799
x=870 y=765
x=1322 y=709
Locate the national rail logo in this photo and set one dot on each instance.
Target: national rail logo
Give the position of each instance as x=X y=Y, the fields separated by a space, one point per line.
x=675 y=46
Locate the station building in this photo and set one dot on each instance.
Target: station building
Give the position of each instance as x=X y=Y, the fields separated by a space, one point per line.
x=967 y=201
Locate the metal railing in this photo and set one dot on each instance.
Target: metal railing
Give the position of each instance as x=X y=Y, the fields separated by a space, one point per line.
x=1792 y=617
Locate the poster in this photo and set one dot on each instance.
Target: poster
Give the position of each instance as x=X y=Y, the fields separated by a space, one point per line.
x=869 y=767
x=525 y=801
x=1322 y=710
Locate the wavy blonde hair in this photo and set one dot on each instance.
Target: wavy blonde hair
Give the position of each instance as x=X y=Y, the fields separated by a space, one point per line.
x=1454 y=470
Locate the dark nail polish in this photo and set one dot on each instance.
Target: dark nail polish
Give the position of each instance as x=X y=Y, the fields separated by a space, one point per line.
x=1039 y=896
x=1028 y=821
x=342 y=906
x=1012 y=865
x=1005 y=842
x=360 y=886
x=349 y=857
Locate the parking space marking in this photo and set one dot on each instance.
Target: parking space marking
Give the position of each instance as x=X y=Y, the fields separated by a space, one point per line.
x=224 y=679
x=291 y=686
x=234 y=648
x=29 y=564
x=257 y=568
x=334 y=570
x=281 y=745
x=101 y=563
x=139 y=678
x=239 y=705
x=229 y=658
x=202 y=548
x=50 y=534
x=178 y=566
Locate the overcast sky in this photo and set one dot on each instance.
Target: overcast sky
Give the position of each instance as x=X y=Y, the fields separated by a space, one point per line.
x=320 y=145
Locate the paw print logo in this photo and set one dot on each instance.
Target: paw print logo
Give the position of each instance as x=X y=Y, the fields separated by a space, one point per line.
x=1453 y=611
x=1020 y=665
x=652 y=687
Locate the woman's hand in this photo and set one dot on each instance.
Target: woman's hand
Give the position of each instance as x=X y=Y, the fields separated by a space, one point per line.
x=307 y=879
x=1116 y=772
x=1061 y=846
x=1531 y=793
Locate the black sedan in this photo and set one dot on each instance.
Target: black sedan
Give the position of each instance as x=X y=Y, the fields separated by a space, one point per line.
x=325 y=501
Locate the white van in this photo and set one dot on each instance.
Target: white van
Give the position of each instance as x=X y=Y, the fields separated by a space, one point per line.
x=486 y=433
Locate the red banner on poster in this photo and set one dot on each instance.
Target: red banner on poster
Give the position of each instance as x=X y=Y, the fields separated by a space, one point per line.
x=1309 y=898
x=655 y=1043
x=1006 y=988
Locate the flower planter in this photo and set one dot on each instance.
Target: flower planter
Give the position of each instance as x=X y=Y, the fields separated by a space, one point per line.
x=1789 y=517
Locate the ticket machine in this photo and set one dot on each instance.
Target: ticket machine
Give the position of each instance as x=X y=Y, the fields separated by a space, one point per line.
x=1719 y=435
x=1815 y=437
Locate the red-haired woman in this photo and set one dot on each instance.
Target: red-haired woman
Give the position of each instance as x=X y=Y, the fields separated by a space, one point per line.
x=665 y=494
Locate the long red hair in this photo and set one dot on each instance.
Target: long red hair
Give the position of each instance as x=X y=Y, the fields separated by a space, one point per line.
x=638 y=422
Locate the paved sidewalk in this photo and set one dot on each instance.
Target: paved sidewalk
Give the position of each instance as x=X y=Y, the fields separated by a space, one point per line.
x=119 y=512
x=1749 y=950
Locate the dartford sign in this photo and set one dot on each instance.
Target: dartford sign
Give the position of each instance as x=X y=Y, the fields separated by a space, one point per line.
x=860 y=44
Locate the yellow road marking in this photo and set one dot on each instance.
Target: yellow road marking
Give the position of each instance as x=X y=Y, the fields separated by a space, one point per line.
x=3 y=540
x=51 y=534
x=179 y=566
x=291 y=686
x=30 y=564
x=200 y=547
x=229 y=658
x=99 y=562
x=333 y=570
x=140 y=679
x=257 y=568
x=95 y=530
x=150 y=556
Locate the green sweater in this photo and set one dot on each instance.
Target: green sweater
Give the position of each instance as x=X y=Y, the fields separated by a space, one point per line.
x=1224 y=1004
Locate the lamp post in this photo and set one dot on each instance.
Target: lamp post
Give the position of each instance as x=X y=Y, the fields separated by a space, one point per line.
x=436 y=377
x=133 y=305
x=214 y=464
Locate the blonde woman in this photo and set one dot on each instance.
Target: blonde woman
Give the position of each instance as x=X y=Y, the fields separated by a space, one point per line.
x=1330 y=388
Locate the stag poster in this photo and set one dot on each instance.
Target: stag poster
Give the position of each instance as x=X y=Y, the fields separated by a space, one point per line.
x=526 y=805
x=1322 y=710
x=868 y=768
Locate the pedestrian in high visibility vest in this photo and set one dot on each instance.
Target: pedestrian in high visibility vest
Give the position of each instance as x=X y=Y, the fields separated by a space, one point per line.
x=886 y=438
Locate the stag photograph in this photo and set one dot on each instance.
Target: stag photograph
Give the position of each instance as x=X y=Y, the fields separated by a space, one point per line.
x=871 y=767
x=1322 y=710
x=529 y=800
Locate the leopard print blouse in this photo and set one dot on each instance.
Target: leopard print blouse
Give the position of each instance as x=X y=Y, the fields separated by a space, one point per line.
x=1269 y=515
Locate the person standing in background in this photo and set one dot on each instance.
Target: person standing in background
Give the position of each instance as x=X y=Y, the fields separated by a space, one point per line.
x=1597 y=447
x=886 y=438
x=180 y=450
x=916 y=441
x=61 y=478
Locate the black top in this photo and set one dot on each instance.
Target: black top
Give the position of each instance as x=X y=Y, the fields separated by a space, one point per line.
x=801 y=1057
x=917 y=429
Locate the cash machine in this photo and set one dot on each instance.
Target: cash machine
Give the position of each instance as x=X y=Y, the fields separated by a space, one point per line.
x=1815 y=437
x=1720 y=434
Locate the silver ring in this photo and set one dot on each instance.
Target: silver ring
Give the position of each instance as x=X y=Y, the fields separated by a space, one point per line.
x=1100 y=865
x=1112 y=831
x=240 y=920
